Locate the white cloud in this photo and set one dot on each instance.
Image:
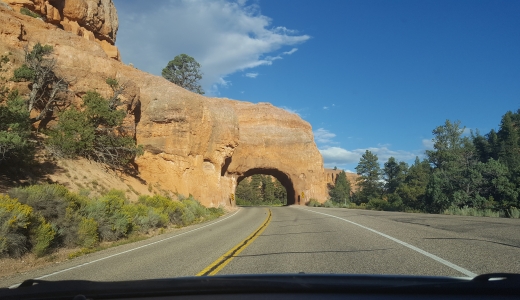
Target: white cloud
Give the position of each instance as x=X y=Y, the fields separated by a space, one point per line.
x=340 y=156
x=224 y=37
x=427 y=144
x=323 y=136
x=291 y=51
x=325 y=107
x=251 y=75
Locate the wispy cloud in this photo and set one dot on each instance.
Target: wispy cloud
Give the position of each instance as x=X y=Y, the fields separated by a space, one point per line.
x=427 y=144
x=338 y=156
x=341 y=156
x=291 y=51
x=294 y=111
x=223 y=36
x=325 y=107
x=323 y=136
x=251 y=75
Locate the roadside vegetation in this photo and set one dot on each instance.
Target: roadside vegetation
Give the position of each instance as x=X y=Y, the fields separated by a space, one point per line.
x=468 y=175
x=40 y=219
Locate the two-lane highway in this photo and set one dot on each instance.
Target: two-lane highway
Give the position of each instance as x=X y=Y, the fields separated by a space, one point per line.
x=297 y=239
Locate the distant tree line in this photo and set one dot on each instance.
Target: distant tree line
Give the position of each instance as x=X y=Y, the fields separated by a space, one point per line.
x=260 y=190
x=480 y=173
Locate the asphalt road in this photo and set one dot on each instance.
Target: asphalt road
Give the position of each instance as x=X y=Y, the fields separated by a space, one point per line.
x=310 y=240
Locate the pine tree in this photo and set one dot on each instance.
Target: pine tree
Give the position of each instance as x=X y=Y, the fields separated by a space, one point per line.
x=509 y=150
x=184 y=71
x=394 y=174
x=413 y=190
x=340 y=193
x=369 y=180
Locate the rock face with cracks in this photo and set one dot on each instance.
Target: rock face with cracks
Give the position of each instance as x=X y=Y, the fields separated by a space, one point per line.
x=94 y=20
x=193 y=144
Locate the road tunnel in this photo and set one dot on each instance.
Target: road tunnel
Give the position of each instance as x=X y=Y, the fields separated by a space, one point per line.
x=279 y=175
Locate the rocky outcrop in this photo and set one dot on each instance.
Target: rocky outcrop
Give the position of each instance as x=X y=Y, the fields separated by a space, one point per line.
x=331 y=175
x=194 y=144
x=94 y=20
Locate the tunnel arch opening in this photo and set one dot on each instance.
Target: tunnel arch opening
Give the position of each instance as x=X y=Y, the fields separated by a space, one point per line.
x=283 y=178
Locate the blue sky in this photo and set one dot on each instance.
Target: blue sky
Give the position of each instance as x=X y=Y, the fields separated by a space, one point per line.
x=377 y=75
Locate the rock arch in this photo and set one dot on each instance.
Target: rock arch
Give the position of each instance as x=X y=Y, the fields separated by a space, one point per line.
x=275 y=142
x=205 y=146
x=284 y=179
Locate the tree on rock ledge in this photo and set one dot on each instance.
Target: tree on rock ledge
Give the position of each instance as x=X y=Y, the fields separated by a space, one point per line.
x=184 y=71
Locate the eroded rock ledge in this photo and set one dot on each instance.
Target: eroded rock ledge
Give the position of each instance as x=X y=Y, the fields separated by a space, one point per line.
x=94 y=20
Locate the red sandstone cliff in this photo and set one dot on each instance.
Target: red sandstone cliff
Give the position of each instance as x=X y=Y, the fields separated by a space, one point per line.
x=194 y=144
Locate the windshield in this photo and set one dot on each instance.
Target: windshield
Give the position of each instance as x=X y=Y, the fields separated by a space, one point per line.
x=159 y=139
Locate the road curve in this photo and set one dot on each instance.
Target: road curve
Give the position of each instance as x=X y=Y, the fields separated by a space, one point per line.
x=310 y=240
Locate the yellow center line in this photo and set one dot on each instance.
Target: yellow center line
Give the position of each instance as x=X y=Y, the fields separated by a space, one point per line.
x=222 y=261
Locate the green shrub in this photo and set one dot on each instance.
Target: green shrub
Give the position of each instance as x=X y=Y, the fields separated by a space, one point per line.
x=199 y=211
x=329 y=203
x=27 y=12
x=355 y=206
x=15 y=129
x=513 y=212
x=313 y=203
x=184 y=212
x=88 y=233
x=377 y=204
x=471 y=211
x=109 y=213
x=145 y=218
x=45 y=235
x=15 y=219
x=23 y=73
x=216 y=212
x=56 y=205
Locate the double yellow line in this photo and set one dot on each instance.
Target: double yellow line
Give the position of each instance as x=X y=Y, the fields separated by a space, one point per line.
x=222 y=261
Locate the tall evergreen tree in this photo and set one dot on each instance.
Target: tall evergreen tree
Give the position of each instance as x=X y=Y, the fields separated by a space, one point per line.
x=280 y=192
x=340 y=193
x=268 y=190
x=394 y=174
x=455 y=180
x=369 y=180
x=509 y=150
x=413 y=190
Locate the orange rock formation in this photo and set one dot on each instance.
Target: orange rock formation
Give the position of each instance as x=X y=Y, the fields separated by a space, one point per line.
x=94 y=20
x=194 y=144
x=331 y=175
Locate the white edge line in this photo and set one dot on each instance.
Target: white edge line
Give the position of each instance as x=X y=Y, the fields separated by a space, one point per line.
x=130 y=250
x=428 y=254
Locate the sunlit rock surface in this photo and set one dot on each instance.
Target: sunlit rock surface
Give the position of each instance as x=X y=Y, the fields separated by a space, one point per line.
x=194 y=144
